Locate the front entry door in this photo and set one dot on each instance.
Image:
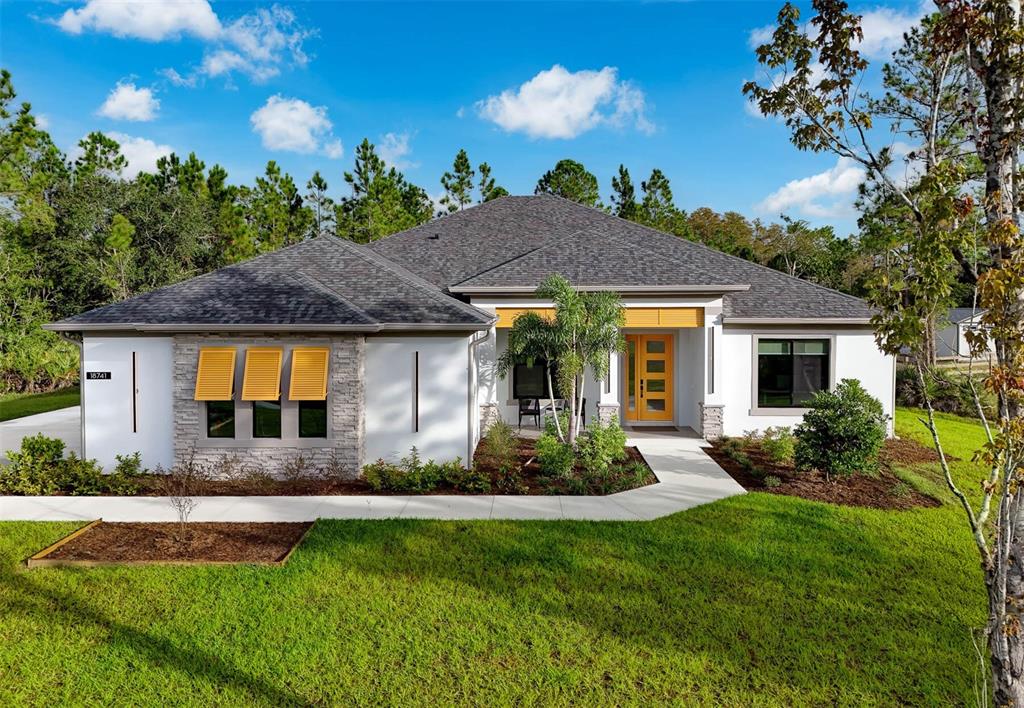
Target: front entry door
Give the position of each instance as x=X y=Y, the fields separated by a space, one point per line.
x=648 y=379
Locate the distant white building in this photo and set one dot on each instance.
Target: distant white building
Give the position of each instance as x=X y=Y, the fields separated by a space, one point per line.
x=951 y=342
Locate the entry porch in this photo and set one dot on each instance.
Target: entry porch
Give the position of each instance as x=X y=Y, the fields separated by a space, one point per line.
x=667 y=376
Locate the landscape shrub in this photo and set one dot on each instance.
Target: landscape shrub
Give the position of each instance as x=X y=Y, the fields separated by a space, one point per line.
x=771 y=482
x=778 y=444
x=413 y=475
x=556 y=458
x=600 y=446
x=40 y=468
x=842 y=432
x=501 y=446
x=298 y=469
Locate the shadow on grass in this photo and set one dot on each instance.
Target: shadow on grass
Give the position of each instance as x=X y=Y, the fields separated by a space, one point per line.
x=763 y=590
x=39 y=602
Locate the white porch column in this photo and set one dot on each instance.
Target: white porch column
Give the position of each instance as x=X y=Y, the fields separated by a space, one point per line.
x=608 y=406
x=712 y=400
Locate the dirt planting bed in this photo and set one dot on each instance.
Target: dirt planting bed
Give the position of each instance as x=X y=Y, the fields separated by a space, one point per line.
x=102 y=543
x=876 y=490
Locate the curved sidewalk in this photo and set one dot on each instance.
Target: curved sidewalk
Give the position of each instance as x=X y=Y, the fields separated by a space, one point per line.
x=687 y=477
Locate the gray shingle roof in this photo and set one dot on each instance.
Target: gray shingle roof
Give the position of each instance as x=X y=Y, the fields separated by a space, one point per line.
x=324 y=283
x=960 y=314
x=517 y=241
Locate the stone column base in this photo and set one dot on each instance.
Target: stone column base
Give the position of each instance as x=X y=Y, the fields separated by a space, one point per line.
x=608 y=412
x=490 y=414
x=711 y=422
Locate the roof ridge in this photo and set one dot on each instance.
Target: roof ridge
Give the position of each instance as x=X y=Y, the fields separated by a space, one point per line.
x=410 y=278
x=332 y=293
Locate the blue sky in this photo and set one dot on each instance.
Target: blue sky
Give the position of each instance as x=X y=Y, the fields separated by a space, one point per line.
x=518 y=85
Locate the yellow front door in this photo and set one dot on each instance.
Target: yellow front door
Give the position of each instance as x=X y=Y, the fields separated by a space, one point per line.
x=648 y=379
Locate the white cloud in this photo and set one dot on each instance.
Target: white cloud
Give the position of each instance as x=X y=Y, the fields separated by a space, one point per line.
x=883 y=29
x=394 y=148
x=42 y=121
x=334 y=149
x=557 y=103
x=141 y=153
x=294 y=125
x=257 y=44
x=127 y=102
x=152 y=20
x=824 y=195
x=760 y=35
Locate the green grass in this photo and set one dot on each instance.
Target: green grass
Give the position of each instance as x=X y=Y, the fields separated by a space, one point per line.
x=754 y=600
x=19 y=405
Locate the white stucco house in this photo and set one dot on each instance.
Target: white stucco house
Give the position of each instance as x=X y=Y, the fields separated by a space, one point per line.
x=360 y=352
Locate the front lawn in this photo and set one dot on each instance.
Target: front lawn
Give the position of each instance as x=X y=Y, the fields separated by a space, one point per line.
x=756 y=599
x=19 y=405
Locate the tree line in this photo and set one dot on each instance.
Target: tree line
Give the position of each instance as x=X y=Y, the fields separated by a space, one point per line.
x=77 y=233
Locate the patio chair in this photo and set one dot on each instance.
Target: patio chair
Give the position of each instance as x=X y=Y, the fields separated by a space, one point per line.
x=529 y=408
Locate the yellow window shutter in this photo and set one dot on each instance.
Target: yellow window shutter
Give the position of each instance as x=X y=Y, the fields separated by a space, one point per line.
x=262 y=381
x=309 y=374
x=215 y=378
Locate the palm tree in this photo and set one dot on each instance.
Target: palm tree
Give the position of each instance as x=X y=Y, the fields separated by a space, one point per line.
x=584 y=332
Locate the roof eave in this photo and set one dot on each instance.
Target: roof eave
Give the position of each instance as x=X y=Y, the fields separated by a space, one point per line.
x=183 y=328
x=797 y=320
x=631 y=289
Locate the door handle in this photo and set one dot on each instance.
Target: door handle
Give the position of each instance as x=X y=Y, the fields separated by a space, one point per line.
x=641 y=388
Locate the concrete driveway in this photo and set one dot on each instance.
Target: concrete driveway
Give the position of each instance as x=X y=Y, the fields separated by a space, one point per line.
x=65 y=424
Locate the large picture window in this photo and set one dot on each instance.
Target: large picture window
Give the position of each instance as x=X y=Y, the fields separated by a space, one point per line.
x=791 y=371
x=531 y=381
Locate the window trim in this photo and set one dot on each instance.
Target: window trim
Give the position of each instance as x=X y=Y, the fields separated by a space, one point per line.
x=755 y=340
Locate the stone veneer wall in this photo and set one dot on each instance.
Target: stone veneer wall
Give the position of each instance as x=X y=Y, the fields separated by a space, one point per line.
x=490 y=413
x=608 y=412
x=345 y=400
x=711 y=427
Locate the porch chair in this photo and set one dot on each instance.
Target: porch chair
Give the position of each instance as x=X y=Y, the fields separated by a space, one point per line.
x=529 y=408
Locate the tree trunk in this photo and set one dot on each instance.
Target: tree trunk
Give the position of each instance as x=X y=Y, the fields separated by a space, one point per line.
x=1006 y=588
x=572 y=413
x=551 y=400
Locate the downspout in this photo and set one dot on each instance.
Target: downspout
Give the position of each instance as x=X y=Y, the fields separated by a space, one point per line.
x=78 y=340
x=474 y=415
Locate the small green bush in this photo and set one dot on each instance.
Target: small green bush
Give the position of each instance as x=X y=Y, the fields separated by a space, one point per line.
x=556 y=458
x=842 y=432
x=500 y=444
x=730 y=445
x=415 y=476
x=40 y=468
x=778 y=444
x=771 y=482
x=600 y=446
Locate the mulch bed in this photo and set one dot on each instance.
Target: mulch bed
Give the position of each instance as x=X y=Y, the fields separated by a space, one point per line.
x=534 y=481
x=199 y=542
x=881 y=490
x=534 y=478
x=312 y=486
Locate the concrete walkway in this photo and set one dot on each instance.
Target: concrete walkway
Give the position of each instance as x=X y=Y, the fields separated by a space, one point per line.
x=686 y=476
x=64 y=424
